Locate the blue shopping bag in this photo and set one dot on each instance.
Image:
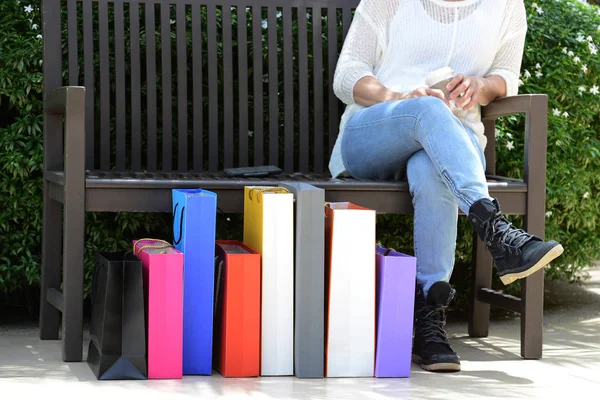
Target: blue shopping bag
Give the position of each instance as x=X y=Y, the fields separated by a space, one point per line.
x=194 y=222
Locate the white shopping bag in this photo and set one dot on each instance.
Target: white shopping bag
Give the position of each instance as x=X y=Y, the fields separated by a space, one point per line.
x=350 y=293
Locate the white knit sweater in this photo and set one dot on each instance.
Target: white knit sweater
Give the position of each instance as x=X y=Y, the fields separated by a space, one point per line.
x=400 y=41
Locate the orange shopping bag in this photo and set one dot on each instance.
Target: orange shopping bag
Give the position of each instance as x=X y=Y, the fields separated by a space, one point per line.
x=237 y=310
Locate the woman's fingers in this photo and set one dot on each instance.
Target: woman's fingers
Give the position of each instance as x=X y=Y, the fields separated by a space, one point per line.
x=473 y=101
x=466 y=98
x=454 y=82
x=460 y=89
x=422 y=92
x=439 y=94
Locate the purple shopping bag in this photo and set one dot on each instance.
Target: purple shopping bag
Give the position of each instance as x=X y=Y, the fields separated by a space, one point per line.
x=396 y=277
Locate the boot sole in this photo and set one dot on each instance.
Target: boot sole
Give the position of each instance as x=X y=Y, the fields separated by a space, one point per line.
x=544 y=261
x=438 y=367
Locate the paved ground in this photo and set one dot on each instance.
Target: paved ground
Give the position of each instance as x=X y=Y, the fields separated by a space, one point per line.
x=492 y=367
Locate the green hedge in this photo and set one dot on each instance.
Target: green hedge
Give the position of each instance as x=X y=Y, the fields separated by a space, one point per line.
x=573 y=149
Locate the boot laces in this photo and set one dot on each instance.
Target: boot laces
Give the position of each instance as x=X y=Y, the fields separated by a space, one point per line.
x=433 y=321
x=499 y=231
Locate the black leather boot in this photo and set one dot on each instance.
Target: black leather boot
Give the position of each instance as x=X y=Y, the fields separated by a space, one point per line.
x=517 y=253
x=431 y=349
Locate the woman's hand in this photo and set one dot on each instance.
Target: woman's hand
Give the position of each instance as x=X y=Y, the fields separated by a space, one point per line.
x=469 y=91
x=369 y=91
x=421 y=92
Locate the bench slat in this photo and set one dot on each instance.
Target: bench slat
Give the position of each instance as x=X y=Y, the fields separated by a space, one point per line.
x=213 y=96
x=151 y=85
x=120 y=84
x=182 y=95
x=136 y=93
x=288 y=90
x=257 y=102
x=166 y=88
x=346 y=20
x=227 y=88
x=273 y=77
x=88 y=69
x=332 y=47
x=72 y=43
x=303 y=118
x=243 y=86
x=197 y=82
x=318 y=88
x=104 y=87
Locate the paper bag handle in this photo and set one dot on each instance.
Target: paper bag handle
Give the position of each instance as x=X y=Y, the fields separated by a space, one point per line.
x=137 y=252
x=175 y=240
x=387 y=251
x=267 y=190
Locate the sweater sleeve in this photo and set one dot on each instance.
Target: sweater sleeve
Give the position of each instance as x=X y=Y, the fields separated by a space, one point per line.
x=507 y=63
x=361 y=51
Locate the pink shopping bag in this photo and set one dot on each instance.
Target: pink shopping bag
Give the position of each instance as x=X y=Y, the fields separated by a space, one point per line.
x=163 y=292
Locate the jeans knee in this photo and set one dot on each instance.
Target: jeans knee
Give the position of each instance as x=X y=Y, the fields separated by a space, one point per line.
x=424 y=180
x=432 y=104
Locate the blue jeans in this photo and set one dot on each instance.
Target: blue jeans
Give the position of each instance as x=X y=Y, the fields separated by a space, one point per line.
x=421 y=139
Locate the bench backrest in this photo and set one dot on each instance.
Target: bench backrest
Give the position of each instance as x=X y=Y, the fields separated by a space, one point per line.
x=176 y=85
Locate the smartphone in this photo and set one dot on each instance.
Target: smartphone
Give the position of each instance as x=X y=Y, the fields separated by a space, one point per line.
x=245 y=172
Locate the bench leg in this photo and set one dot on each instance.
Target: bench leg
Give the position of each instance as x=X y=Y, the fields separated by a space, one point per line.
x=532 y=315
x=532 y=288
x=51 y=263
x=479 y=318
x=73 y=267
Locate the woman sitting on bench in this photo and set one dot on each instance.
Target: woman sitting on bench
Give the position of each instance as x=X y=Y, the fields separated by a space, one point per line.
x=395 y=125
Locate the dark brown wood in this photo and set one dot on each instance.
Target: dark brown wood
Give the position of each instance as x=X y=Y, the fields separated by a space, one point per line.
x=532 y=288
x=213 y=104
x=120 y=84
x=318 y=88
x=136 y=92
x=56 y=298
x=227 y=88
x=499 y=299
x=479 y=316
x=89 y=82
x=490 y=148
x=182 y=96
x=105 y=156
x=346 y=20
x=303 y=111
x=257 y=100
x=288 y=90
x=155 y=196
x=151 y=87
x=72 y=43
x=166 y=87
x=53 y=160
x=242 y=38
x=273 y=77
x=332 y=46
x=198 y=106
x=521 y=104
x=51 y=264
x=74 y=224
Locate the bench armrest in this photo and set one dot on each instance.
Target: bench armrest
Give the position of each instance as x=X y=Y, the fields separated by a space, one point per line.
x=520 y=104
x=66 y=100
x=535 y=108
x=64 y=138
x=64 y=129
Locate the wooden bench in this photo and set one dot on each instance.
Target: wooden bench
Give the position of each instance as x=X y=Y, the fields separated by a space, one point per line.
x=113 y=143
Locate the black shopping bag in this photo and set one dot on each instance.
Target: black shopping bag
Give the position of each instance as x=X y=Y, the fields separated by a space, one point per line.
x=118 y=332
